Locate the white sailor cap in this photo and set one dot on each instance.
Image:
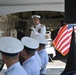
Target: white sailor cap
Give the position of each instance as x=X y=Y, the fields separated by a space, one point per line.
x=30 y=42
x=10 y=45
x=36 y=16
x=41 y=39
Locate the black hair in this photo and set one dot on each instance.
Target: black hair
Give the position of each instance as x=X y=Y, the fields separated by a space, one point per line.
x=42 y=44
x=29 y=50
x=9 y=54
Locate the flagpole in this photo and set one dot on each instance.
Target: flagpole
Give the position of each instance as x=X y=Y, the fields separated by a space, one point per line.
x=71 y=60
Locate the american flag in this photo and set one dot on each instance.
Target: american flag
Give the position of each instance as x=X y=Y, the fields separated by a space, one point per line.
x=63 y=39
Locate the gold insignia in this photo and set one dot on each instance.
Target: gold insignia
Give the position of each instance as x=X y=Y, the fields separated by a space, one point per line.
x=42 y=25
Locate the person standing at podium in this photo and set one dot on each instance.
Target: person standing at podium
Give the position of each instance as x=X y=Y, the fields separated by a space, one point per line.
x=37 y=29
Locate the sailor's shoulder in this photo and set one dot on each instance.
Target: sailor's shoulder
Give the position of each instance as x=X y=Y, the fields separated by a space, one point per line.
x=42 y=25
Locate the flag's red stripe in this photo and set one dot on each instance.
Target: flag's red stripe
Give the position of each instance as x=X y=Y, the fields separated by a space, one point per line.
x=65 y=45
x=63 y=42
x=65 y=52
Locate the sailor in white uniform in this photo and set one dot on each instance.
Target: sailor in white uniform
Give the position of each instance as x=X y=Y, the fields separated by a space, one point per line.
x=1 y=33
x=10 y=48
x=38 y=58
x=42 y=53
x=30 y=64
x=38 y=29
x=13 y=33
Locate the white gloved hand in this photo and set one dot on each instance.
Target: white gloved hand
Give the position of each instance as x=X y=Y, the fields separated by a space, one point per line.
x=33 y=28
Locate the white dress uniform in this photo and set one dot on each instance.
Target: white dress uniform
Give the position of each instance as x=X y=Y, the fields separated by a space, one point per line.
x=43 y=54
x=31 y=64
x=13 y=33
x=15 y=69
x=44 y=60
x=38 y=30
x=10 y=47
x=38 y=59
x=1 y=33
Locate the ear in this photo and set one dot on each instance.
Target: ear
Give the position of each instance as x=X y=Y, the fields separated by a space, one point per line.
x=3 y=57
x=23 y=52
x=19 y=54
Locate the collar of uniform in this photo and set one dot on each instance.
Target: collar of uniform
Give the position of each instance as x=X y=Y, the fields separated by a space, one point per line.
x=11 y=68
x=29 y=60
x=38 y=25
x=41 y=50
